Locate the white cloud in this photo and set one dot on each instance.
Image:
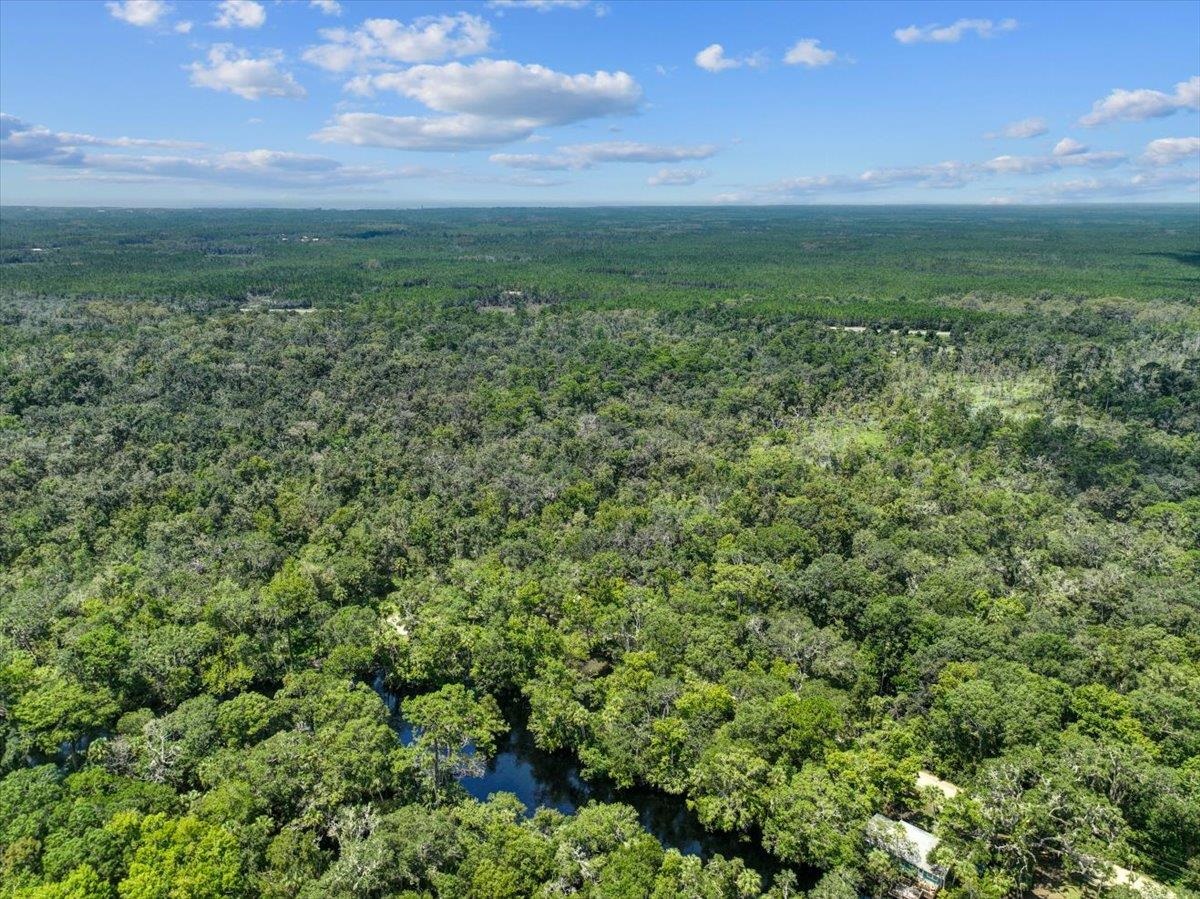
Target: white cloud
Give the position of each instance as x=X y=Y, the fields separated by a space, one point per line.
x=1032 y=165
x=34 y=143
x=676 y=177
x=381 y=42
x=1160 y=180
x=62 y=154
x=458 y=132
x=1019 y=165
x=234 y=70
x=487 y=103
x=518 y=180
x=1019 y=130
x=503 y=89
x=1101 y=188
x=939 y=175
x=239 y=14
x=952 y=34
x=253 y=169
x=808 y=52
x=328 y=7
x=142 y=13
x=183 y=27
x=1170 y=150
x=713 y=59
x=1138 y=105
x=585 y=156
x=90 y=140
x=1069 y=147
x=537 y=161
x=948 y=175
x=628 y=151
x=959 y=174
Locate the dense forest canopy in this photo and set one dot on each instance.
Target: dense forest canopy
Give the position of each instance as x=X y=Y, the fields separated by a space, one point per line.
x=762 y=511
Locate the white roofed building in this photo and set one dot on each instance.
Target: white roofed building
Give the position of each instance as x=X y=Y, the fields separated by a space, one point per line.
x=912 y=847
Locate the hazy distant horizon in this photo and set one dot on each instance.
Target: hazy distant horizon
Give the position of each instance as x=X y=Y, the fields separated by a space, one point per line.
x=334 y=207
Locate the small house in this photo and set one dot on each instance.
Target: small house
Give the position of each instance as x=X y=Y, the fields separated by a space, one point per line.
x=911 y=847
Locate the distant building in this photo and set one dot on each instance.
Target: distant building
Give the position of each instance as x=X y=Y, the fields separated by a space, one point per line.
x=911 y=846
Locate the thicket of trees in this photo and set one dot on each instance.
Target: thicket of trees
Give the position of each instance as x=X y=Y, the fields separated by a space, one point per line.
x=720 y=550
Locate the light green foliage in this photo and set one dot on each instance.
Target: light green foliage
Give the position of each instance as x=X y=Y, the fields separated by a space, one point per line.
x=728 y=784
x=56 y=710
x=82 y=883
x=835 y=884
x=182 y=859
x=624 y=479
x=1029 y=809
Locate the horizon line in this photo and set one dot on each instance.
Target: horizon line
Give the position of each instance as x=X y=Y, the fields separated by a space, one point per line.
x=198 y=206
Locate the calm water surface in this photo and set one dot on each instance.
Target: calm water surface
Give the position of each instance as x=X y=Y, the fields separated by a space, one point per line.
x=552 y=780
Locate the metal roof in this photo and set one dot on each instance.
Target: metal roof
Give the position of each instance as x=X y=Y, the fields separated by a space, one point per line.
x=905 y=841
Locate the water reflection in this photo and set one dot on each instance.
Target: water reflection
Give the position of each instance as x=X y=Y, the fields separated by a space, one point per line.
x=552 y=780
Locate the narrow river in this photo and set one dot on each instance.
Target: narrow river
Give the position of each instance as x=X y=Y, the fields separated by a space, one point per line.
x=552 y=780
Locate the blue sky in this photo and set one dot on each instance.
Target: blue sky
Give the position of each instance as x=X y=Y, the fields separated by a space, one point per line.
x=172 y=102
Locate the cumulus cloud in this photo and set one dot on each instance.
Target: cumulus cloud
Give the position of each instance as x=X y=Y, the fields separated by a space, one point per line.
x=713 y=59
x=253 y=169
x=328 y=7
x=65 y=156
x=23 y=141
x=239 y=14
x=382 y=42
x=808 y=52
x=1019 y=130
x=236 y=71
x=142 y=13
x=1162 y=180
x=676 y=177
x=1138 y=105
x=488 y=102
x=586 y=156
x=1170 y=150
x=940 y=175
x=458 y=132
x=1069 y=147
x=1032 y=165
x=183 y=28
x=69 y=154
x=507 y=89
x=952 y=34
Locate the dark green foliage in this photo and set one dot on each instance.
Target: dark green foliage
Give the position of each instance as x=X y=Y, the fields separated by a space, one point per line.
x=618 y=474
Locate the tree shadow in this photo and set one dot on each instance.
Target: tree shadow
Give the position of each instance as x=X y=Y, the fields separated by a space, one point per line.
x=1187 y=258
